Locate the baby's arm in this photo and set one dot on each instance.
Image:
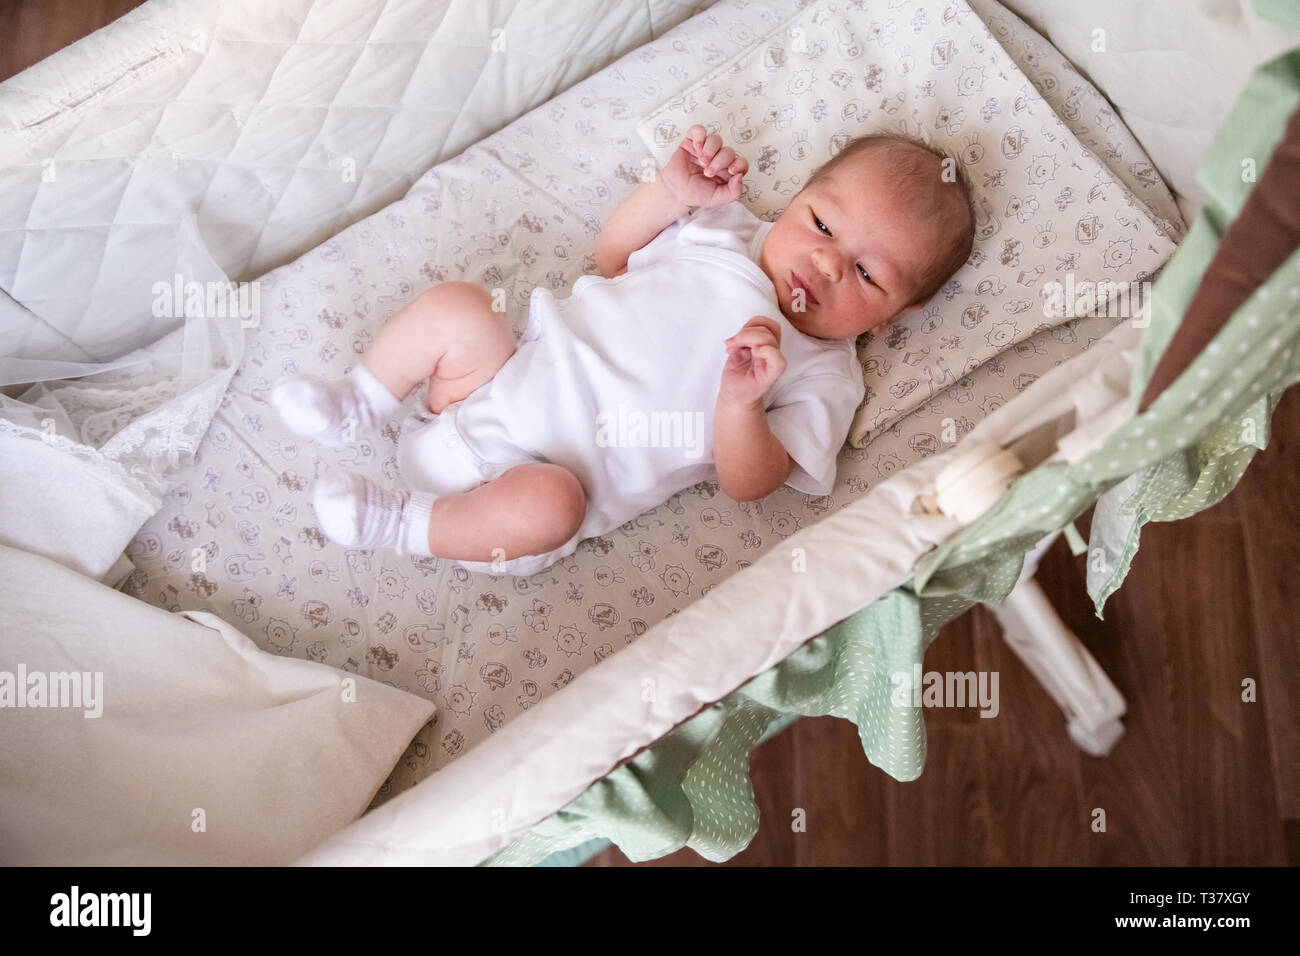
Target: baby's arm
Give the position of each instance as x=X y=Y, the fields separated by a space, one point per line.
x=641 y=216
x=702 y=172
x=751 y=461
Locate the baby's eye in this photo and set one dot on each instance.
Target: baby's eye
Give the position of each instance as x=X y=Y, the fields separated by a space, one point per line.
x=822 y=226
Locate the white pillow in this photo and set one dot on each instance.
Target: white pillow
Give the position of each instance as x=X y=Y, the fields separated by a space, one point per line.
x=179 y=742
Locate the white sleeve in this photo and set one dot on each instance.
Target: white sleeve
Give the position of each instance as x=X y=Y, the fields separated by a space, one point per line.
x=660 y=247
x=813 y=422
x=725 y=225
x=730 y=225
x=730 y=215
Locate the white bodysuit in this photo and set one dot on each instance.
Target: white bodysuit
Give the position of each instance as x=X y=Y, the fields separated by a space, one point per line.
x=617 y=383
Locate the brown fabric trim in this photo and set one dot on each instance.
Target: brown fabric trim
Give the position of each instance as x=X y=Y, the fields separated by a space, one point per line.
x=1259 y=240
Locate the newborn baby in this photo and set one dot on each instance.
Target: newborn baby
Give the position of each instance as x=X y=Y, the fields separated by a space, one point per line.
x=712 y=344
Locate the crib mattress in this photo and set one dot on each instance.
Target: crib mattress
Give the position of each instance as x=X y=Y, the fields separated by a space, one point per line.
x=520 y=208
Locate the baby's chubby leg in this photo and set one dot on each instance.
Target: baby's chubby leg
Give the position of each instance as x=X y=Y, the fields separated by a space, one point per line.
x=449 y=335
x=529 y=509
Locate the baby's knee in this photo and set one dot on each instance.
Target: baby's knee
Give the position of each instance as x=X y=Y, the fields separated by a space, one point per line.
x=448 y=300
x=561 y=502
x=571 y=500
x=445 y=294
x=467 y=314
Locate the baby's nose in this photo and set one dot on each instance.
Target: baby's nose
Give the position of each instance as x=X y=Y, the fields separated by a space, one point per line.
x=824 y=264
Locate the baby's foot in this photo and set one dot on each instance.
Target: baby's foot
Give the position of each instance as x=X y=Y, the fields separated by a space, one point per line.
x=357 y=513
x=333 y=413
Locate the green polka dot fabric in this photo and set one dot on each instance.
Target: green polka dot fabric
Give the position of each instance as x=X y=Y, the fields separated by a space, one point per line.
x=1221 y=408
x=692 y=788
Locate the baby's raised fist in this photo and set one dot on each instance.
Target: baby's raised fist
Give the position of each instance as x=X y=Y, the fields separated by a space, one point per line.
x=754 y=361
x=703 y=172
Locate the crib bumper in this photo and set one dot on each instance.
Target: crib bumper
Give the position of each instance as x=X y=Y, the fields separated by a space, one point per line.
x=1086 y=403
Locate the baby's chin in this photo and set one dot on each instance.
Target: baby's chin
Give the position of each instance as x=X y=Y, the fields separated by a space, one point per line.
x=799 y=320
x=805 y=324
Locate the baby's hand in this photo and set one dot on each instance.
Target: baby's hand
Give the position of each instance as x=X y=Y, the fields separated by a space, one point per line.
x=703 y=172
x=754 y=361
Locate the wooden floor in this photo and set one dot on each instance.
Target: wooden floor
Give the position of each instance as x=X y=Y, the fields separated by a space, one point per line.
x=1201 y=776
x=30 y=30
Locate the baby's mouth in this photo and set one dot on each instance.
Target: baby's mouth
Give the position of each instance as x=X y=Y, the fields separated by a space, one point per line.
x=797 y=283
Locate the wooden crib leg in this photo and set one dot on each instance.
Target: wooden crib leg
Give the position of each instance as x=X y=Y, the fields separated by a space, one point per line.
x=1092 y=704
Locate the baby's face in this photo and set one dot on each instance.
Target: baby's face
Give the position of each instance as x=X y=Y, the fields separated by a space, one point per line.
x=854 y=245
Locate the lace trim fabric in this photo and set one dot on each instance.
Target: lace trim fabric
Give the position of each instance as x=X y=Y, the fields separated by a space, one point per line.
x=111 y=471
x=139 y=422
x=150 y=430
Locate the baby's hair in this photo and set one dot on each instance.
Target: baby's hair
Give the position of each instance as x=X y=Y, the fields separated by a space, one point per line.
x=920 y=181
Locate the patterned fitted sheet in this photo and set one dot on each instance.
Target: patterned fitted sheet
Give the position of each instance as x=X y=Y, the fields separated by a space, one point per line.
x=521 y=208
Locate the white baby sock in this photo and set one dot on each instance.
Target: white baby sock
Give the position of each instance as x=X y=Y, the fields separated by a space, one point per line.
x=322 y=410
x=357 y=513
